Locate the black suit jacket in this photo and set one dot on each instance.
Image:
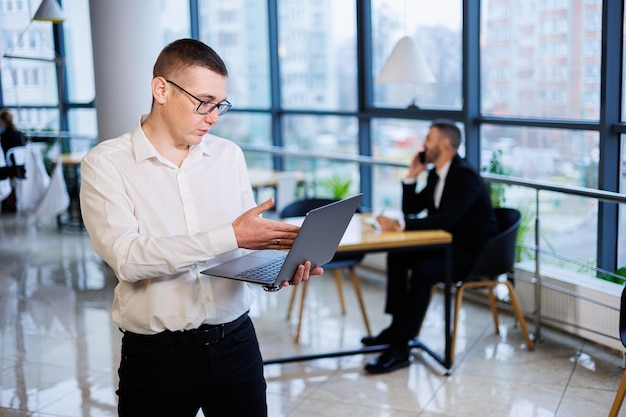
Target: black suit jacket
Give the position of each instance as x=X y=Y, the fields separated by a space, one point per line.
x=465 y=208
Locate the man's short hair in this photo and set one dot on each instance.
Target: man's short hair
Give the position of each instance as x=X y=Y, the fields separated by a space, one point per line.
x=184 y=53
x=450 y=130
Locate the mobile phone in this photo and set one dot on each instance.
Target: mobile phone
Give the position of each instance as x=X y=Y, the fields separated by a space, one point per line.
x=422 y=157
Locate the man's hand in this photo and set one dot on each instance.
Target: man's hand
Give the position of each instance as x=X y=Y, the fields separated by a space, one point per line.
x=416 y=166
x=388 y=224
x=254 y=232
x=303 y=273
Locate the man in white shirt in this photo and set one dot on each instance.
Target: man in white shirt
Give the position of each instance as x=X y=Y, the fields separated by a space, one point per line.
x=158 y=202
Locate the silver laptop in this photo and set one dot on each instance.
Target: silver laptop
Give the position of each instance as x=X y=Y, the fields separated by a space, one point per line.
x=316 y=241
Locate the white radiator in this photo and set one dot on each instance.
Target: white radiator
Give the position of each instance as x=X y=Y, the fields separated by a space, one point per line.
x=594 y=315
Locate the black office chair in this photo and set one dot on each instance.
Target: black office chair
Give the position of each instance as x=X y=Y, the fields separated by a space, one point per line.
x=339 y=261
x=621 y=391
x=496 y=258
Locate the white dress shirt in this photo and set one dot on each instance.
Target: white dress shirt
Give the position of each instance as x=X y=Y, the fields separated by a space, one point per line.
x=442 y=174
x=155 y=224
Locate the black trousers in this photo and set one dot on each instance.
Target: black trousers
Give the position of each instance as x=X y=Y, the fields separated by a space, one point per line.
x=224 y=378
x=410 y=278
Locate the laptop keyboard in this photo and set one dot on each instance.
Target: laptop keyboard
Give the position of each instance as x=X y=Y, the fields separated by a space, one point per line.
x=266 y=272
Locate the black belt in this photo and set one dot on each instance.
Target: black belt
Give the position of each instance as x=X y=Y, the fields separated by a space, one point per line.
x=207 y=334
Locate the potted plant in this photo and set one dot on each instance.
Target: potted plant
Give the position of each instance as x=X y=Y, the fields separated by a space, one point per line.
x=337 y=186
x=496 y=190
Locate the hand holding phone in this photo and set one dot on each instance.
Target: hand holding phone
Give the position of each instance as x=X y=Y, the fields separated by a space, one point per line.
x=417 y=165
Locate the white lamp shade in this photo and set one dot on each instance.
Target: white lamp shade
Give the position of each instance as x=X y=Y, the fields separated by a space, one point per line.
x=406 y=64
x=49 y=11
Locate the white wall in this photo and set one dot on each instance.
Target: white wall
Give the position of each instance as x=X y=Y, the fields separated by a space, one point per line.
x=127 y=39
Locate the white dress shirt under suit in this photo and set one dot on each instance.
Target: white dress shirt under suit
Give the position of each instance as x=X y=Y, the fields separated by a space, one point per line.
x=155 y=223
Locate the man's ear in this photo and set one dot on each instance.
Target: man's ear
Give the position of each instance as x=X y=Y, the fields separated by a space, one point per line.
x=158 y=89
x=446 y=143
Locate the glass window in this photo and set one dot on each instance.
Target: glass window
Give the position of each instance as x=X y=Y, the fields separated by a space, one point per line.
x=435 y=28
x=317 y=52
x=31 y=81
x=36 y=120
x=175 y=22
x=621 y=247
x=331 y=135
x=238 y=32
x=248 y=129
x=624 y=72
x=396 y=141
x=84 y=127
x=549 y=49
x=565 y=157
x=34 y=82
x=78 y=52
x=567 y=227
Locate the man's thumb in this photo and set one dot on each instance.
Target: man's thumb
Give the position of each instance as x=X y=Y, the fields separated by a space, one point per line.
x=264 y=206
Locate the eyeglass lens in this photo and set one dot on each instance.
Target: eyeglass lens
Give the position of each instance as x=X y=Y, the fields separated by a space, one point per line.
x=206 y=107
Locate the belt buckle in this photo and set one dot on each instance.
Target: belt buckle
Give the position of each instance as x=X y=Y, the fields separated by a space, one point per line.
x=209 y=336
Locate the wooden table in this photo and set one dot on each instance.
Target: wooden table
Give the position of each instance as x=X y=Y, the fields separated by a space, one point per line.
x=71 y=159
x=362 y=237
x=267 y=178
x=260 y=179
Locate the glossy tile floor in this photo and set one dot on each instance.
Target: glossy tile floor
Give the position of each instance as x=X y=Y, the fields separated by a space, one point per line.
x=59 y=350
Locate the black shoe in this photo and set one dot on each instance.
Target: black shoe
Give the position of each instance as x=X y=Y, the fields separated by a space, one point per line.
x=382 y=339
x=389 y=361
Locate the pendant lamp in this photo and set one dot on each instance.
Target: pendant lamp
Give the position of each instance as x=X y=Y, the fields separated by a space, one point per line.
x=406 y=64
x=49 y=11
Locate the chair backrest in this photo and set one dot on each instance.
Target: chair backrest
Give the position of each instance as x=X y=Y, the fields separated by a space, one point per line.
x=302 y=207
x=16 y=156
x=286 y=187
x=498 y=255
x=622 y=318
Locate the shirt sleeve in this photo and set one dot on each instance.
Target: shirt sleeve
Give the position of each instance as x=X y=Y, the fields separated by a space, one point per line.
x=109 y=216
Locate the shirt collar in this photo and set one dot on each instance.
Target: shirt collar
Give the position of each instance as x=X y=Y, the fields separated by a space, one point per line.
x=142 y=146
x=443 y=172
x=144 y=149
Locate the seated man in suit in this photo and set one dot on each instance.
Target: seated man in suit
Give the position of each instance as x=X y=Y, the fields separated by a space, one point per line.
x=456 y=199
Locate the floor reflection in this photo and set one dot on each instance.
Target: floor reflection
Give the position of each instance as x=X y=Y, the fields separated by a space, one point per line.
x=59 y=350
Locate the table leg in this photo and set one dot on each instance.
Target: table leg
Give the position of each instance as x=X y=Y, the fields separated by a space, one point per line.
x=445 y=360
x=448 y=307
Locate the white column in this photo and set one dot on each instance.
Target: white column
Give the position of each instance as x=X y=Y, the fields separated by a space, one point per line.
x=126 y=38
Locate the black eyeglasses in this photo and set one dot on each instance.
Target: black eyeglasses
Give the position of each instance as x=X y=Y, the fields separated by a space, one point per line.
x=205 y=107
